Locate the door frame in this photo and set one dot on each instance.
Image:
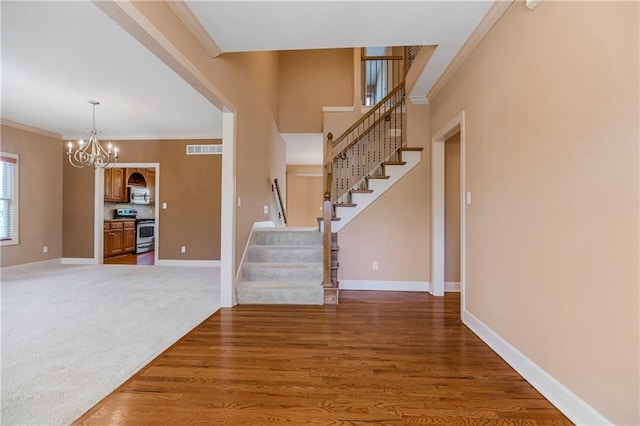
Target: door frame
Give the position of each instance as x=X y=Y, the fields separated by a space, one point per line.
x=98 y=209
x=455 y=125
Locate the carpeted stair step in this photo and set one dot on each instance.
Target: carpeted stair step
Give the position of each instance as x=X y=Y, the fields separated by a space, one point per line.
x=270 y=271
x=280 y=292
x=288 y=236
x=285 y=254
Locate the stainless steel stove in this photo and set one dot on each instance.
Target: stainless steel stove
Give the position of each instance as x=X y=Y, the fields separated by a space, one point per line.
x=145 y=229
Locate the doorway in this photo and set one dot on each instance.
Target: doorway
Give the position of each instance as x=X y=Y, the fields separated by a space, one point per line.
x=126 y=217
x=454 y=131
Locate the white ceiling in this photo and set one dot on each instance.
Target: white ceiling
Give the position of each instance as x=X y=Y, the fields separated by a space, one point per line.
x=239 y=26
x=56 y=56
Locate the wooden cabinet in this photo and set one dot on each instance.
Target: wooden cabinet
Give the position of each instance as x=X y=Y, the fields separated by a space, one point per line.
x=119 y=237
x=136 y=177
x=114 y=185
x=150 y=175
x=129 y=235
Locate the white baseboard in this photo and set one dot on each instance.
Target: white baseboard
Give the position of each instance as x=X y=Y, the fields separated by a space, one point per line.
x=451 y=287
x=194 y=263
x=384 y=285
x=32 y=264
x=79 y=261
x=559 y=395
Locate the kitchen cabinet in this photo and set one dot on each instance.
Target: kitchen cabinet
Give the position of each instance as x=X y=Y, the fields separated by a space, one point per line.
x=129 y=235
x=150 y=175
x=114 y=185
x=119 y=237
x=135 y=177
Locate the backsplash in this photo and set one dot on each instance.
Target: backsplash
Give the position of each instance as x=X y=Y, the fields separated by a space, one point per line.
x=144 y=211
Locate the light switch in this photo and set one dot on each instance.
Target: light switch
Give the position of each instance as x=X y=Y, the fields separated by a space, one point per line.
x=164 y=206
x=266 y=209
x=469 y=197
x=239 y=202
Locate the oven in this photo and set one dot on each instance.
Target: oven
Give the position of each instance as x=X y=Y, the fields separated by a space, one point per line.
x=145 y=235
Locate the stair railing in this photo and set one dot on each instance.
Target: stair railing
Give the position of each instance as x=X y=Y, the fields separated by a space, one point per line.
x=277 y=190
x=360 y=151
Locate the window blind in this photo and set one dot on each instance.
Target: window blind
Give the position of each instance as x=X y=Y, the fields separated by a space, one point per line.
x=7 y=197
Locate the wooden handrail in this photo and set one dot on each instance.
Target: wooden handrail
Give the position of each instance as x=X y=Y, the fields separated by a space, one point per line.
x=277 y=187
x=381 y=58
x=369 y=113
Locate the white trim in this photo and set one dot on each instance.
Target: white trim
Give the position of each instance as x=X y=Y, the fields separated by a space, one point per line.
x=32 y=264
x=492 y=16
x=228 y=212
x=30 y=129
x=577 y=410
x=192 y=263
x=418 y=100
x=437 y=216
x=15 y=202
x=452 y=287
x=457 y=124
x=384 y=285
x=195 y=27
x=256 y=225
x=78 y=261
x=338 y=109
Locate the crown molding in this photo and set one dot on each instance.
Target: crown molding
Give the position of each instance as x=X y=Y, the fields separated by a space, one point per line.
x=418 y=100
x=26 y=128
x=496 y=11
x=152 y=136
x=194 y=26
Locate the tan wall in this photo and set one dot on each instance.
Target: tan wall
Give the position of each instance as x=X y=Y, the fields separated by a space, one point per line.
x=452 y=209
x=552 y=162
x=309 y=80
x=304 y=199
x=249 y=84
x=395 y=230
x=189 y=184
x=39 y=197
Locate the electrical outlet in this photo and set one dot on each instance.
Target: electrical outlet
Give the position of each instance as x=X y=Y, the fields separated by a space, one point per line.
x=164 y=206
x=183 y=249
x=45 y=249
x=266 y=209
x=375 y=265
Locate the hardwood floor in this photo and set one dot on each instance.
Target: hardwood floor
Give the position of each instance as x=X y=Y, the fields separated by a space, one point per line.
x=377 y=358
x=131 y=259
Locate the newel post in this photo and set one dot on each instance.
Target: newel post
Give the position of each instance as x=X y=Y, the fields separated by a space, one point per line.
x=327 y=213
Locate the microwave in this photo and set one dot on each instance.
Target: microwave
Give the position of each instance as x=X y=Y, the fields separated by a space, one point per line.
x=139 y=195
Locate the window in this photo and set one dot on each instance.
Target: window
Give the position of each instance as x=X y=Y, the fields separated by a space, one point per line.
x=8 y=199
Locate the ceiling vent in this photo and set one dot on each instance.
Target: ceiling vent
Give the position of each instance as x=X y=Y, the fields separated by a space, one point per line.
x=204 y=149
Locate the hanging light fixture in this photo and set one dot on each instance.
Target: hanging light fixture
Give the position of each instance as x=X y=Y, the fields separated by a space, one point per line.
x=90 y=153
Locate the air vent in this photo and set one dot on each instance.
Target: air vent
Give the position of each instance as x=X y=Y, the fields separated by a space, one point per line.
x=204 y=149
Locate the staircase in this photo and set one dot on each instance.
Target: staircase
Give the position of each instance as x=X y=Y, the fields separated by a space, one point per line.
x=299 y=265
x=283 y=266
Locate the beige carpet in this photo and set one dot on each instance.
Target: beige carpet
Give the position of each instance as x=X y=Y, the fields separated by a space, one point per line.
x=72 y=334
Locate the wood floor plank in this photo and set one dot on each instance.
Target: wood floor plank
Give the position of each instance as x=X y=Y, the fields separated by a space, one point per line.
x=377 y=358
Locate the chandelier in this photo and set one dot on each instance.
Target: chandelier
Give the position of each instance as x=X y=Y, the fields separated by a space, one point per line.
x=90 y=153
